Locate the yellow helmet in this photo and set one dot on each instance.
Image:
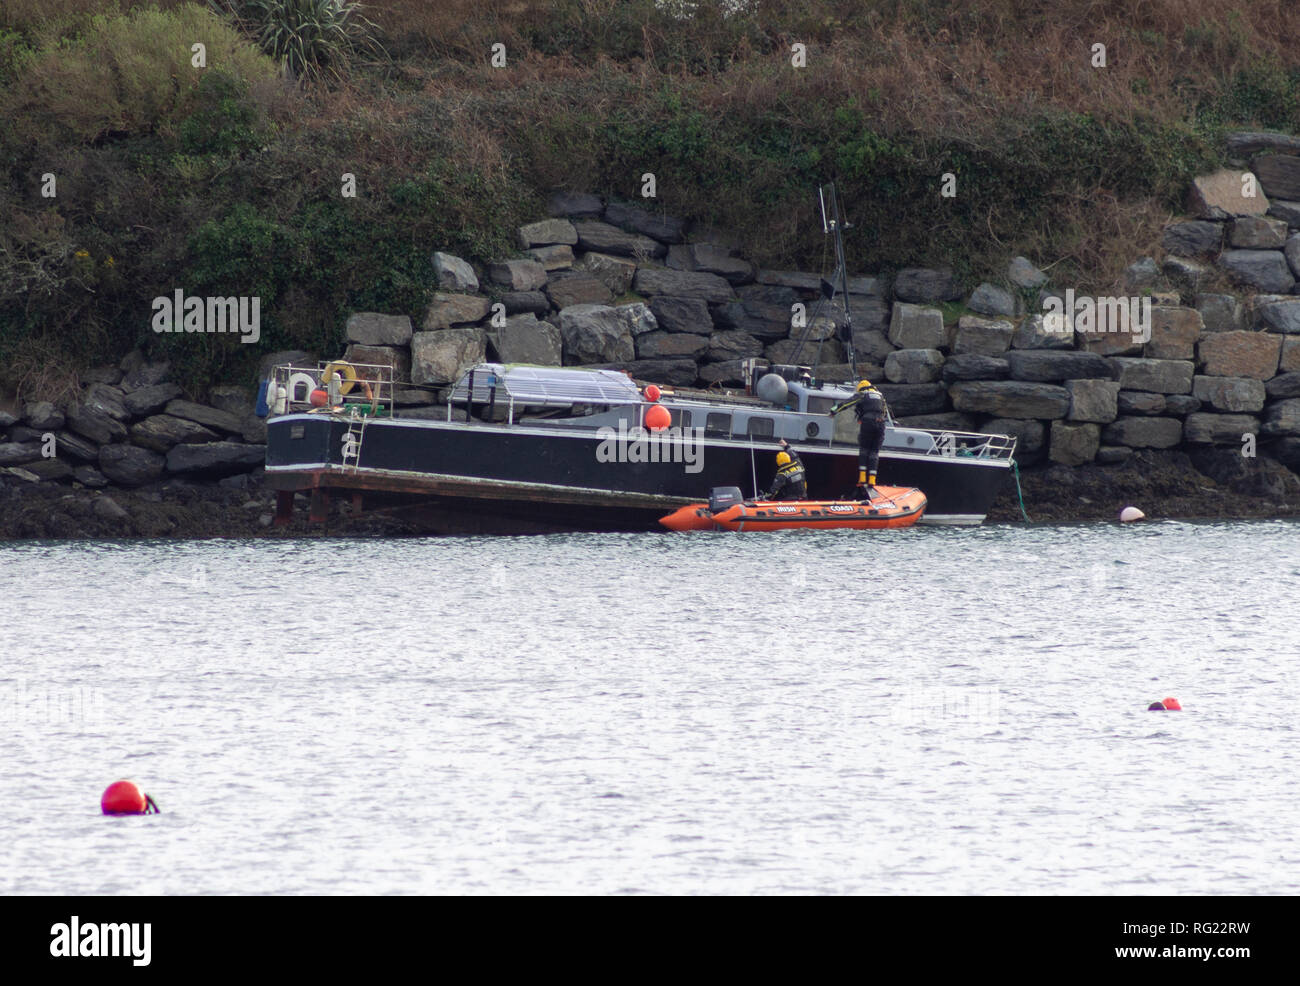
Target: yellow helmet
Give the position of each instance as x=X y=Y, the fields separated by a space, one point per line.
x=782 y=458
x=864 y=385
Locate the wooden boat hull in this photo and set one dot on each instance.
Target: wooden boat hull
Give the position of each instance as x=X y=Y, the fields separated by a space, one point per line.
x=896 y=506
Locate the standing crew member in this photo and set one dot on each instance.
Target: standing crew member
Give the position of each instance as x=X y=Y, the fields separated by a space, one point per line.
x=790 y=482
x=872 y=412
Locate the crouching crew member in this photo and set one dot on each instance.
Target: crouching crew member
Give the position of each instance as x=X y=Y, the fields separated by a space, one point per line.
x=872 y=412
x=790 y=482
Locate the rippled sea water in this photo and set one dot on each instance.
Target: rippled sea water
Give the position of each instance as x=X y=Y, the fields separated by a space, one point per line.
x=904 y=712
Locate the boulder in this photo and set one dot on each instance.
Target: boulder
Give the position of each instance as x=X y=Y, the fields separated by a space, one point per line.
x=522 y=302
x=1283 y=418
x=449 y=310
x=575 y=205
x=106 y=508
x=871 y=344
x=233 y=398
x=1279 y=175
x=862 y=284
x=682 y=314
x=1290 y=359
x=916 y=327
x=604 y=238
x=44 y=416
x=142 y=374
x=1143 y=432
x=1030 y=435
x=733 y=345
x=868 y=313
x=396 y=358
x=1141 y=274
x=671 y=345
x=1174 y=333
x=982 y=336
x=1033 y=333
x=1256 y=233
x=66 y=444
x=596 y=334
x=1187 y=275
x=910 y=399
x=684 y=284
x=914 y=365
x=374 y=329
x=525 y=339
x=441 y=357
x=1263 y=269
x=1141 y=402
x=1221 y=312
x=1244 y=143
x=553 y=258
x=578 y=288
x=1050 y=366
x=711 y=259
x=1011 y=398
x=1275 y=313
x=131 y=465
x=204 y=415
x=727 y=372
x=1074 y=444
x=1159 y=376
x=1093 y=400
x=19 y=453
x=638 y=318
x=1113 y=455
x=547 y=232
x=614 y=272
x=987 y=299
x=100 y=428
x=518 y=275
x=1192 y=239
x=160 y=432
x=1218 y=429
x=106 y=400
x=1283 y=385
x=1024 y=274
x=1180 y=405
x=1288 y=212
x=1239 y=354
x=1292 y=253
x=672 y=372
x=89 y=477
x=1221 y=196
x=660 y=227
x=828 y=351
x=920 y=284
x=1229 y=393
x=217 y=458
x=454 y=274
x=972 y=366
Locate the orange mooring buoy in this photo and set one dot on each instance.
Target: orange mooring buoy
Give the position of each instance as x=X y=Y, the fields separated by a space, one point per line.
x=1172 y=705
x=124 y=798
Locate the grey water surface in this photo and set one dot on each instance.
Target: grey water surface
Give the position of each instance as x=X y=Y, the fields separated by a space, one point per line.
x=905 y=712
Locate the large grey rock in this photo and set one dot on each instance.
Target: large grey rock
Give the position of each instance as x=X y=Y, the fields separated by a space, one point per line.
x=682 y=314
x=1218 y=429
x=1030 y=435
x=1292 y=253
x=614 y=272
x=910 y=399
x=920 y=284
x=553 y=258
x=1024 y=274
x=232 y=398
x=216 y=458
x=1093 y=400
x=973 y=366
x=1050 y=365
x=1141 y=274
x=525 y=339
x=638 y=318
x=106 y=400
x=106 y=508
x=871 y=344
x=916 y=327
x=914 y=366
x=1141 y=402
x=1074 y=444
x=43 y=416
x=1160 y=376
x=1290 y=359
x=99 y=427
x=208 y=416
x=578 y=288
x=522 y=302
x=19 y=453
x=575 y=205
x=1283 y=418
x=1263 y=269
x=130 y=465
x=374 y=329
x=683 y=284
x=1185 y=274
x=1257 y=233
x=1229 y=393
x=1244 y=143
x=1222 y=196
x=725 y=372
x=1278 y=313
x=671 y=345
x=982 y=336
x=733 y=345
x=1239 y=354
x=988 y=299
x=89 y=477
x=862 y=284
x=1180 y=405
x=518 y=275
x=454 y=274
x=161 y=431
x=1283 y=385
x=1221 y=312
x=1279 y=175
x=1192 y=239
x=1288 y=212
x=596 y=334
x=70 y=445
x=1033 y=333
x=664 y=228
x=789 y=351
x=604 y=238
x=1174 y=333
x=1011 y=398
x=446 y=311
x=1143 y=432
x=441 y=357
x=547 y=232
x=711 y=259
x=142 y=374
x=366 y=358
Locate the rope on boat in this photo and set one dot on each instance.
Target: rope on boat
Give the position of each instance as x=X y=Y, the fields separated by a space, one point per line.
x=1020 y=495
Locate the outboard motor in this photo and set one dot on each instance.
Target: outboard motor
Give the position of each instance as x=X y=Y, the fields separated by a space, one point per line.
x=723 y=497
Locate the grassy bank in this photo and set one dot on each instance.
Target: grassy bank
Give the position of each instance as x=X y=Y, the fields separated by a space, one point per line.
x=226 y=179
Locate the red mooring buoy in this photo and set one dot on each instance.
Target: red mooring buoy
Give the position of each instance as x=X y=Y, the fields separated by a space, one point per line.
x=124 y=798
x=1172 y=705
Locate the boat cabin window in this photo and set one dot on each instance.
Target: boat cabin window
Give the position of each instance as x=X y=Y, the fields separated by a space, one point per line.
x=680 y=418
x=761 y=427
x=820 y=405
x=718 y=424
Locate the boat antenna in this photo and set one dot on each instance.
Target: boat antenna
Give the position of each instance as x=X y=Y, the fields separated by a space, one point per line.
x=836 y=225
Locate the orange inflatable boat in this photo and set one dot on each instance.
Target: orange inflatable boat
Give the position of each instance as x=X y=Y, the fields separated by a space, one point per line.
x=889 y=506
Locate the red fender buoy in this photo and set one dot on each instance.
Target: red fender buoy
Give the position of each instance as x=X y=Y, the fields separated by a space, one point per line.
x=657 y=418
x=124 y=798
x=651 y=392
x=1172 y=705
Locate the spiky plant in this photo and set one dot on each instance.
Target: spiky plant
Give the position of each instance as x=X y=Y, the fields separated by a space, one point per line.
x=312 y=38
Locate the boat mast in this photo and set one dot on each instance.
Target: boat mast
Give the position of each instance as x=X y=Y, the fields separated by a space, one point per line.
x=833 y=224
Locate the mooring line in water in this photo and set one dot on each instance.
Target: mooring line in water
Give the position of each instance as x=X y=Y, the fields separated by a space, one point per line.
x=1019 y=495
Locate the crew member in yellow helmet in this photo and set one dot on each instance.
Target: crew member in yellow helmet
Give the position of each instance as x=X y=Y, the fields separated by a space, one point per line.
x=872 y=413
x=790 y=482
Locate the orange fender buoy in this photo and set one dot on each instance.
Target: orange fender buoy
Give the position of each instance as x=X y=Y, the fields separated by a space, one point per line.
x=1173 y=705
x=657 y=418
x=318 y=398
x=651 y=392
x=124 y=798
